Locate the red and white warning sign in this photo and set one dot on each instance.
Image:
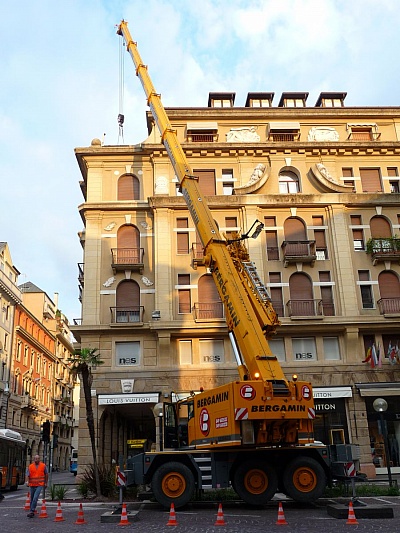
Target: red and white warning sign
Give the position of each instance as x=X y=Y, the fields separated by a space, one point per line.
x=350 y=469
x=311 y=413
x=241 y=413
x=121 y=479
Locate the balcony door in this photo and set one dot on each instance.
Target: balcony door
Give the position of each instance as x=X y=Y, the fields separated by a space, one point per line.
x=128 y=302
x=380 y=228
x=294 y=230
x=301 y=295
x=389 y=290
x=128 y=245
x=210 y=304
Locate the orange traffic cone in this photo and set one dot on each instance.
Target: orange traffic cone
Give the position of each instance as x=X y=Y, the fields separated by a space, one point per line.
x=27 y=502
x=81 y=518
x=124 y=517
x=352 y=517
x=43 y=510
x=59 y=515
x=281 y=517
x=172 y=517
x=220 y=517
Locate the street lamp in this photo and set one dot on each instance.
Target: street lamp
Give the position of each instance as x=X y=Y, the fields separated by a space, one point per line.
x=380 y=405
x=158 y=411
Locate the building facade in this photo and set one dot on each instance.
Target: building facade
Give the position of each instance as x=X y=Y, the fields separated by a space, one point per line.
x=324 y=181
x=10 y=296
x=40 y=382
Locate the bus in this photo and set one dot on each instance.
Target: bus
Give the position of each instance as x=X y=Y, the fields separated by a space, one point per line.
x=12 y=459
x=73 y=463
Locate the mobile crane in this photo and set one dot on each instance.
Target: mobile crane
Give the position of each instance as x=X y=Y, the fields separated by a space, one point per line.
x=256 y=433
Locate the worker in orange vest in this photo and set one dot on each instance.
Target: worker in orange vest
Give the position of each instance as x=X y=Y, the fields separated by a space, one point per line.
x=36 y=478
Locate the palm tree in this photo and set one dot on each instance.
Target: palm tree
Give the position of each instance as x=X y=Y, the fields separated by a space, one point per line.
x=82 y=362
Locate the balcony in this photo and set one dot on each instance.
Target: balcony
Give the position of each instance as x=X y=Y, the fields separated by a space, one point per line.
x=197 y=255
x=208 y=310
x=127 y=315
x=81 y=273
x=362 y=136
x=28 y=403
x=305 y=308
x=389 y=306
x=127 y=259
x=382 y=250
x=299 y=252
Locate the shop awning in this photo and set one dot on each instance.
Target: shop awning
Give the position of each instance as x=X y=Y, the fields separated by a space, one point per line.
x=283 y=126
x=199 y=126
x=327 y=393
x=378 y=389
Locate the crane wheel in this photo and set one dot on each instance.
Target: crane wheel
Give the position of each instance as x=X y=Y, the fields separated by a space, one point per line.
x=173 y=483
x=255 y=482
x=304 y=479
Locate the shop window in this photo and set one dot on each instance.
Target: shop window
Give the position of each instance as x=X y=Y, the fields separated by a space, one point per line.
x=331 y=349
x=211 y=351
x=304 y=349
x=127 y=353
x=185 y=352
x=278 y=349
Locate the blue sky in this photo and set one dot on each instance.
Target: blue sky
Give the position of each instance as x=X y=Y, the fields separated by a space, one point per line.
x=60 y=89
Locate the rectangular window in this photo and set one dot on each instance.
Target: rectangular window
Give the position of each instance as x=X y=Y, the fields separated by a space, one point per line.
x=367 y=298
x=182 y=237
x=320 y=245
x=230 y=222
x=304 y=349
x=392 y=172
x=371 y=179
x=358 y=239
x=211 y=351
x=227 y=188
x=184 y=300
x=331 y=349
x=276 y=293
x=347 y=172
x=326 y=294
x=318 y=220
x=127 y=353
x=394 y=186
x=185 y=352
x=271 y=237
x=278 y=349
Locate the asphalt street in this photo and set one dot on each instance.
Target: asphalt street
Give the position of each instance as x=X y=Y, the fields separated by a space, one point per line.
x=149 y=517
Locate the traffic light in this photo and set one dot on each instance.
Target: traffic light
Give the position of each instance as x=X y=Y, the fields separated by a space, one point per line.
x=55 y=440
x=46 y=431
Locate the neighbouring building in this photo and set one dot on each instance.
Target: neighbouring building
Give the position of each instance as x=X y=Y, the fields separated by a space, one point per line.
x=10 y=296
x=324 y=180
x=40 y=381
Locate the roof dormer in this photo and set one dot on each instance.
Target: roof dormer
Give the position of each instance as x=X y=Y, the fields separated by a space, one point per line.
x=293 y=100
x=259 y=99
x=331 y=100
x=221 y=99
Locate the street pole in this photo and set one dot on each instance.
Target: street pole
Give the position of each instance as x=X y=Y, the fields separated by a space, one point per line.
x=380 y=405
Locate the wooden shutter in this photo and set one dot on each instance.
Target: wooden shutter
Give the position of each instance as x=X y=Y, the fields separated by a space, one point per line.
x=318 y=221
x=347 y=172
x=128 y=187
x=380 y=228
x=184 y=304
x=389 y=286
x=320 y=241
x=128 y=294
x=294 y=230
x=300 y=287
x=128 y=237
x=208 y=290
x=370 y=180
x=392 y=172
x=206 y=181
x=272 y=245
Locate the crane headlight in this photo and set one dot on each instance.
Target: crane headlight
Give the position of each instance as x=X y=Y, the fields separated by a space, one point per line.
x=257 y=375
x=294 y=377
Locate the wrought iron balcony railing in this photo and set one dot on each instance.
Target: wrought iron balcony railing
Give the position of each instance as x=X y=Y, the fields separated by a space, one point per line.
x=130 y=315
x=384 y=249
x=304 y=307
x=389 y=306
x=127 y=259
x=208 y=310
x=299 y=252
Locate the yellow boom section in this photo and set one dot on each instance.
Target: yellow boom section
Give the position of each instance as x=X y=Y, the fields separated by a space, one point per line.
x=248 y=319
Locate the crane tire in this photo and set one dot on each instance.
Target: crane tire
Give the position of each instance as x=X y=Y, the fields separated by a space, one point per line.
x=304 y=479
x=255 y=482
x=173 y=483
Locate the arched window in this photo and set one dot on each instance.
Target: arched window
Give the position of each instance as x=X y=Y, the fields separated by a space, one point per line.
x=294 y=229
x=301 y=295
x=288 y=182
x=128 y=302
x=128 y=245
x=209 y=304
x=380 y=228
x=389 y=290
x=128 y=187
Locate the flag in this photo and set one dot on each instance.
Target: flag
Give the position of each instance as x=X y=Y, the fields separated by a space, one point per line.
x=374 y=360
x=393 y=355
x=379 y=355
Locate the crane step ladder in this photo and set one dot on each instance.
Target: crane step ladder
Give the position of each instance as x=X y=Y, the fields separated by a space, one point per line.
x=204 y=465
x=259 y=286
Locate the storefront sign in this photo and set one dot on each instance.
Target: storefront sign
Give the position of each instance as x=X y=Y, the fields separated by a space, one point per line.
x=334 y=392
x=118 y=399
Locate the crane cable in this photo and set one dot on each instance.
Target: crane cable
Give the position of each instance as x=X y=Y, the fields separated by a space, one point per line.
x=121 y=116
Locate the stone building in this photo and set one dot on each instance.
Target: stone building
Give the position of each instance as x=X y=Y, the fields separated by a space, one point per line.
x=324 y=181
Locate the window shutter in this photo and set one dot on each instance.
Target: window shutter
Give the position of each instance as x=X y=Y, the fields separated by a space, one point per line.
x=128 y=187
x=206 y=181
x=182 y=243
x=294 y=230
x=300 y=287
x=370 y=179
x=319 y=236
x=128 y=294
x=389 y=286
x=380 y=227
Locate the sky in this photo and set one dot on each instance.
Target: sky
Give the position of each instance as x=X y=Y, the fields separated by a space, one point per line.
x=64 y=80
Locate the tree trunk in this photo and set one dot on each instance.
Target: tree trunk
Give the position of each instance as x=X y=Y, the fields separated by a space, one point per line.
x=87 y=380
